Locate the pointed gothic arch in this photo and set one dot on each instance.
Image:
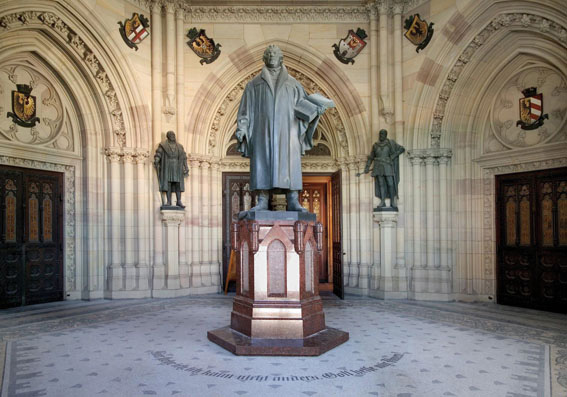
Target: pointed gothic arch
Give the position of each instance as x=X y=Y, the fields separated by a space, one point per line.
x=212 y=121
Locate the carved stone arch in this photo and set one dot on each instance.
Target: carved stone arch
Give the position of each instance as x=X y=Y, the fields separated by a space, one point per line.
x=60 y=125
x=113 y=89
x=497 y=19
x=212 y=120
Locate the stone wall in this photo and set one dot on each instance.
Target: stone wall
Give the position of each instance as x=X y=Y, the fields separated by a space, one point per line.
x=104 y=108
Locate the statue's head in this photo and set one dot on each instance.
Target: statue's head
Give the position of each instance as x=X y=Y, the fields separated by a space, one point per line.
x=383 y=134
x=273 y=56
x=170 y=136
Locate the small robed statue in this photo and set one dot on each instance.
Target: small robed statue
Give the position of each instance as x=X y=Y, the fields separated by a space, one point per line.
x=170 y=162
x=386 y=172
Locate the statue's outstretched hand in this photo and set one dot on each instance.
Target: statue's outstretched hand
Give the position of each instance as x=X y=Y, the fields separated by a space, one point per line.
x=321 y=110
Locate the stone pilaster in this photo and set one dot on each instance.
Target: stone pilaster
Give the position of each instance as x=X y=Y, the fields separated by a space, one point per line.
x=171 y=221
x=392 y=282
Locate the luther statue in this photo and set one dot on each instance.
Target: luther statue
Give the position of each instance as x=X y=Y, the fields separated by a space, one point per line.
x=170 y=162
x=275 y=125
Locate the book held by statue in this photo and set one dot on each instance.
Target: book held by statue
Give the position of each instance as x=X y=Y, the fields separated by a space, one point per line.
x=306 y=109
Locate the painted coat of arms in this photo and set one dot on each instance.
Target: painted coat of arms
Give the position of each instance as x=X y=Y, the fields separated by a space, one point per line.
x=203 y=46
x=531 y=110
x=350 y=46
x=23 y=107
x=418 y=32
x=134 y=30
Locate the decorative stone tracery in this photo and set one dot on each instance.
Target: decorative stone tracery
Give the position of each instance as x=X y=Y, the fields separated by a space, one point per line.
x=49 y=19
x=536 y=22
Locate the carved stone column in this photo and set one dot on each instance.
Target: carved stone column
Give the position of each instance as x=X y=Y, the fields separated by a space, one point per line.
x=444 y=209
x=157 y=103
x=430 y=280
x=129 y=234
x=170 y=41
x=383 y=10
x=179 y=74
x=429 y=214
x=354 y=227
x=115 y=271
x=216 y=222
x=344 y=221
x=142 y=216
x=171 y=219
x=374 y=72
x=195 y=178
x=204 y=224
x=417 y=162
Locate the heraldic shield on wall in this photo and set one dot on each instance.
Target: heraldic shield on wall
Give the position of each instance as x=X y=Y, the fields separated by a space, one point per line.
x=531 y=110
x=350 y=46
x=203 y=46
x=134 y=30
x=418 y=32
x=23 y=107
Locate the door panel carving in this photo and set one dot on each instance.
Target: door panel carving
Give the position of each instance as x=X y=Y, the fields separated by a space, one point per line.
x=31 y=246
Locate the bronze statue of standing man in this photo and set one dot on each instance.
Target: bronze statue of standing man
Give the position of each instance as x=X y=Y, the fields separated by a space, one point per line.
x=171 y=166
x=386 y=171
x=271 y=133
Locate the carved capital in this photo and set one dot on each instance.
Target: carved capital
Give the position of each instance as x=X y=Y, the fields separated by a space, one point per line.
x=170 y=6
x=142 y=157
x=113 y=154
x=128 y=155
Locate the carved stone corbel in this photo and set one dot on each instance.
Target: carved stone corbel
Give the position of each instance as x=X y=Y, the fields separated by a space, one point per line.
x=234 y=236
x=254 y=230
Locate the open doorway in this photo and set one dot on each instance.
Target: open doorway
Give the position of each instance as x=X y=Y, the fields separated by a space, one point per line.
x=319 y=196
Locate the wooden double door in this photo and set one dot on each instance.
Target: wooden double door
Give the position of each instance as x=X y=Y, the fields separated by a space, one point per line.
x=31 y=236
x=320 y=195
x=531 y=218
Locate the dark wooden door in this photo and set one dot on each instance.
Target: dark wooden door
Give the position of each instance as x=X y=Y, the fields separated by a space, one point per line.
x=338 y=286
x=31 y=237
x=313 y=197
x=531 y=241
x=236 y=197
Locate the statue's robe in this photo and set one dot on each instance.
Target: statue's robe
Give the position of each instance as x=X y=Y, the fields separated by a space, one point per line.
x=171 y=163
x=274 y=138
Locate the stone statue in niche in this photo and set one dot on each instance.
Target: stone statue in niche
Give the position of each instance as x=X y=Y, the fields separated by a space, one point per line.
x=275 y=125
x=386 y=172
x=170 y=162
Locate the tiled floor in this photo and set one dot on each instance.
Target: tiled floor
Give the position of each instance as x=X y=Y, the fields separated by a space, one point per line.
x=396 y=348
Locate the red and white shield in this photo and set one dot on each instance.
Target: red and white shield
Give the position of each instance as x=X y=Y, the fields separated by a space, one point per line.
x=138 y=34
x=531 y=110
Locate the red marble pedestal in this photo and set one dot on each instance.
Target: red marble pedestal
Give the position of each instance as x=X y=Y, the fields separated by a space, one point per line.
x=277 y=309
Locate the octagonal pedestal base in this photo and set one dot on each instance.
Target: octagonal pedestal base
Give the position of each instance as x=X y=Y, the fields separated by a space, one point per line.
x=242 y=345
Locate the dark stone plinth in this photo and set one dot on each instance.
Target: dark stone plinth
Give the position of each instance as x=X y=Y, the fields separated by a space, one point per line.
x=171 y=208
x=385 y=209
x=242 y=345
x=279 y=216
